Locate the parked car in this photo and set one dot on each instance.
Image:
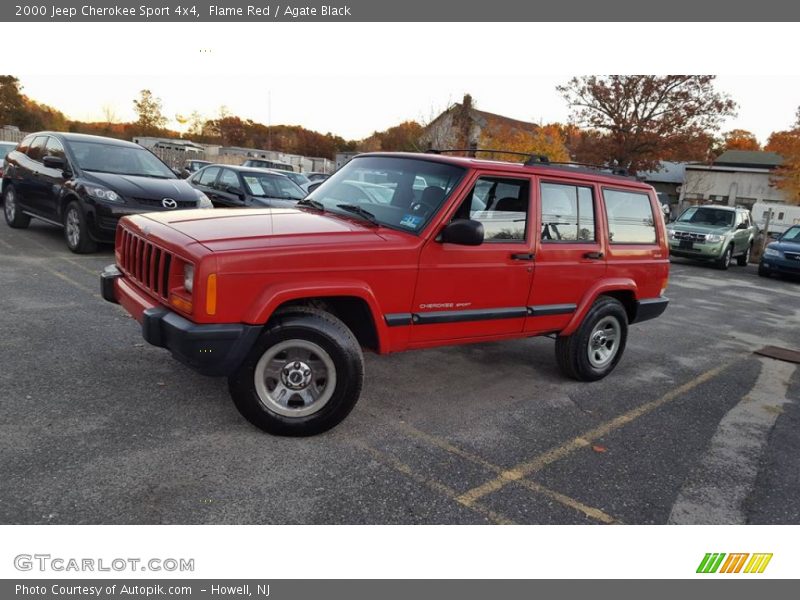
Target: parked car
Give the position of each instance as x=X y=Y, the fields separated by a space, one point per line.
x=86 y=183
x=713 y=233
x=193 y=166
x=265 y=163
x=5 y=148
x=782 y=257
x=282 y=301
x=232 y=186
x=299 y=178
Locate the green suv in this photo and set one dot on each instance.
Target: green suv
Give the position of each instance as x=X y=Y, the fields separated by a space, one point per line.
x=713 y=233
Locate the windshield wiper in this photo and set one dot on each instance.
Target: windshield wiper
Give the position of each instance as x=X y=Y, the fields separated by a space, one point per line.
x=310 y=202
x=361 y=212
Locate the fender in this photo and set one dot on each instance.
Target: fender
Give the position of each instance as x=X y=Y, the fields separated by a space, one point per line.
x=604 y=285
x=274 y=296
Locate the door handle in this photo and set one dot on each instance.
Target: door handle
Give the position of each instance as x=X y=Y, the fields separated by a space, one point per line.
x=594 y=255
x=522 y=256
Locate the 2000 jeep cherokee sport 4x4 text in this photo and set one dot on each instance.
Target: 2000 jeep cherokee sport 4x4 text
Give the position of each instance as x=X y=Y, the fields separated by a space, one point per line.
x=393 y=252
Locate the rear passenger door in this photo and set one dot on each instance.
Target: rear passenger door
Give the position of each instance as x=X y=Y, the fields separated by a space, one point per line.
x=52 y=180
x=571 y=252
x=228 y=180
x=33 y=189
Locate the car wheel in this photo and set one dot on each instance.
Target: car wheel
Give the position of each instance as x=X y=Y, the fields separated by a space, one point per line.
x=303 y=376
x=76 y=232
x=596 y=347
x=762 y=272
x=14 y=216
x=744 y=258
x=725 y=260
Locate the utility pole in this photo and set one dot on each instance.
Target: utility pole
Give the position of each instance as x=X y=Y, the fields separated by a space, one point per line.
x=766 y=232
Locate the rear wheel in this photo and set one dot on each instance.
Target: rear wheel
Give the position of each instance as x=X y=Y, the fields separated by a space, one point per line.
x=76 y=231
x=725 y=260
x=743 y=259
x=14 y=216
x=302 y=377
x=596 y=347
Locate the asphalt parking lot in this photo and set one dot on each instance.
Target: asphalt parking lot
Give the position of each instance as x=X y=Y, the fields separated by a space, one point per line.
x=692 y=427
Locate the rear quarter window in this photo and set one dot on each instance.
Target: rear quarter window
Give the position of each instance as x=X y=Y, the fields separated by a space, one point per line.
x=630 y=217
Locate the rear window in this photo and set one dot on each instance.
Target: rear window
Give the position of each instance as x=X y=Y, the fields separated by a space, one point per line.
x=630 y=217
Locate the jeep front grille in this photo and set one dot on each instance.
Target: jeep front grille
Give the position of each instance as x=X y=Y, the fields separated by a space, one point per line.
x=687 y=235
x=145 y=263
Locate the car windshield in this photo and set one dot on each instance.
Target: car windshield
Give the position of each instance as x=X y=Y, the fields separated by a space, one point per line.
x=120 y=160
x=265 y=185
x=389 y=190
x=703 y=215
x=792 y=235
x=298 y=178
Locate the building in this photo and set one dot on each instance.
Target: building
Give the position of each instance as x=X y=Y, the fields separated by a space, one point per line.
x=342 y=158
x=736 y=178
x=173 y=144
x=462 y=126
x=667 y=181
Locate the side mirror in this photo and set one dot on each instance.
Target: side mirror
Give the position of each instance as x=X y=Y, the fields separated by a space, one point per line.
x=465 y=232
x=54 y=162
x=742 y=226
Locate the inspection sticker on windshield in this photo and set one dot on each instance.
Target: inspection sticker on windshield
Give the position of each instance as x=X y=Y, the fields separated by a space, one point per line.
x=255 y=186
x=411 y=221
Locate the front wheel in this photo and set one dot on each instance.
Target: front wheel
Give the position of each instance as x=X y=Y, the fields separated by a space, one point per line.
x=763 y=271
x=76 y=231
x=725 y=260
x=303 y=376
x=596 y=347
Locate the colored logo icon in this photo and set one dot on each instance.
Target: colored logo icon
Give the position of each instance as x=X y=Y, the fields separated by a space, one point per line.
x=719 y=562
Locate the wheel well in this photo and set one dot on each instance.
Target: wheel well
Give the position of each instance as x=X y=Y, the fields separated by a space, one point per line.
x=351 y=310
x=62 y=204
x=627 y=299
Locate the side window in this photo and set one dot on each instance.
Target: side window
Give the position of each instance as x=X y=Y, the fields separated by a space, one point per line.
x=54 y=148
x=208 y=176
x=36 y=151
x=567 y=213
x=25 y=144
x=228 y=178
x=501 y=205
x=630 y=217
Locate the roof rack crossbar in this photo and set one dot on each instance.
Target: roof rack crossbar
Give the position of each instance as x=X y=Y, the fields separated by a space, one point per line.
x=532 y=159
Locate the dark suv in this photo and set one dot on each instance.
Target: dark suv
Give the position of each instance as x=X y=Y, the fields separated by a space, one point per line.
x=85 y=183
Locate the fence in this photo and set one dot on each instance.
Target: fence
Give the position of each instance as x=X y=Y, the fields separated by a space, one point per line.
x=7 y=134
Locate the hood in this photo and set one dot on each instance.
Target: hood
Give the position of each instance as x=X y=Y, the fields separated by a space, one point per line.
x=133 y=186
x=698 y=228
x=235 y=229
x=785 y=246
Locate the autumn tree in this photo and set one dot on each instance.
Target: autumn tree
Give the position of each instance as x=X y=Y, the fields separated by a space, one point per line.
x=548 y=140
x=787 y=144
x=740 y=139
x=404 y=137
x=151 y=120
x=640 y=120
x=19 y=110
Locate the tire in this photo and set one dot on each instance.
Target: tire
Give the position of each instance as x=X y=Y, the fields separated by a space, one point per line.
x=76 y=232
x=762 y=272
x=743 y=259
x=580 y=355
x=725 y=260
x=308 y=342
x=14 y=216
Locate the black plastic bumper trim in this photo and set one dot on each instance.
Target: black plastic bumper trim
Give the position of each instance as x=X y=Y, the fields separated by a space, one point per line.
x=398 y=319
x=545 y=310
x=107 y=278
x=213 y=349
x=650 y=309
x=456 y=316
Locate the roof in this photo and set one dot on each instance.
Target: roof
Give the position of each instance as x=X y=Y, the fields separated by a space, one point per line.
x=575 y=171
x=668 y=172
x=240 y=168
x=83 y=137
x=750 y=158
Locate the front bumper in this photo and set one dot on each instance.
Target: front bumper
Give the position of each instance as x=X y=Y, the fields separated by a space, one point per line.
x=212 y=349
x=780 y=264
x=698 y=250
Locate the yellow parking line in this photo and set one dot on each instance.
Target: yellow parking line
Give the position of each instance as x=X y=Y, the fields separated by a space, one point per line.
x=70 y=280
x=436 y=486
x=589 y=511
x=559 y=452
x=80 y=266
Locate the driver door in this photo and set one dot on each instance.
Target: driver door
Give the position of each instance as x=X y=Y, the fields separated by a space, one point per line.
x=479 y=291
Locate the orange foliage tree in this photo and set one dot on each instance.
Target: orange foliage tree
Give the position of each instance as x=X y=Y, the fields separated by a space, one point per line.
x=740 y=139
x=787 y=144
x=548 y=140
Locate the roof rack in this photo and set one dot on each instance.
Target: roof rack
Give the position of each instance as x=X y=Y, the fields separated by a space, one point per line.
x=536 y=159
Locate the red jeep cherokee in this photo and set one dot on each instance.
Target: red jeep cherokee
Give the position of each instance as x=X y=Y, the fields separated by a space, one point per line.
x=393 y=252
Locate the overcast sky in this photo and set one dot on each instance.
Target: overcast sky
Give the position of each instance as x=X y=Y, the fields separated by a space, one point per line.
x=353 y=79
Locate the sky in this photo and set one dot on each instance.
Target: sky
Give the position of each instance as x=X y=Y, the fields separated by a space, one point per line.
x=353 y=79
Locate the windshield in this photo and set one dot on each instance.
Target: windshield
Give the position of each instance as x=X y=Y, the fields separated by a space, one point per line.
x=264 y=185
x=703 y=215
x=121 y=160
x=298 y=178
x=792 y=235
x=401 y=193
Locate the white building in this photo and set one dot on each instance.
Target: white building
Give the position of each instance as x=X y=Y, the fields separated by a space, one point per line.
x=736 y=178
